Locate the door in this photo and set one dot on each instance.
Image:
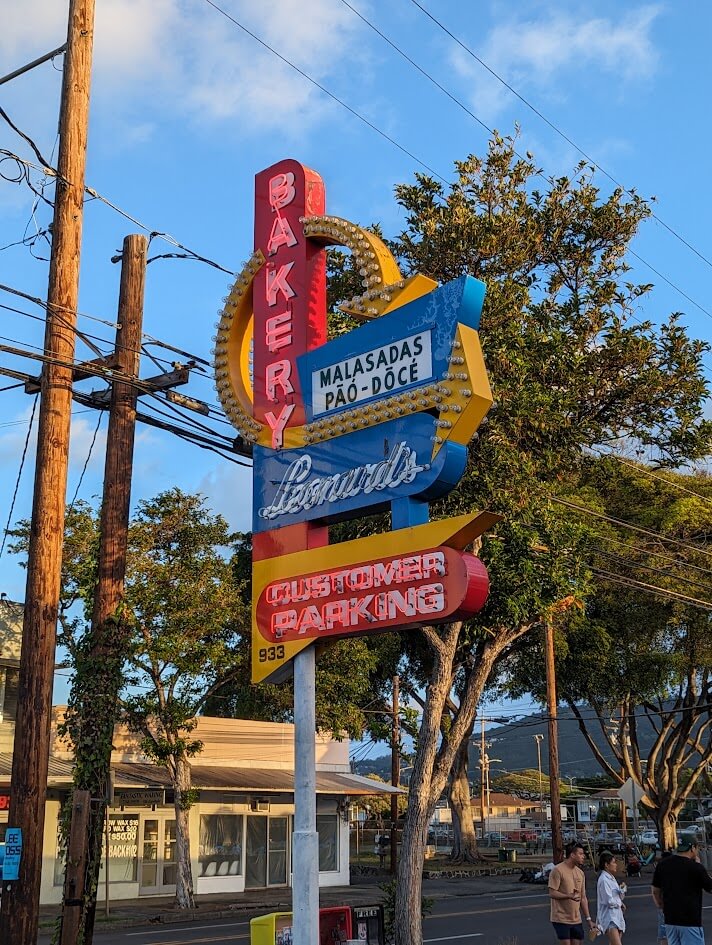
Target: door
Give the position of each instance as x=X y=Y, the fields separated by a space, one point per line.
x=267 y=852
x=158 y=856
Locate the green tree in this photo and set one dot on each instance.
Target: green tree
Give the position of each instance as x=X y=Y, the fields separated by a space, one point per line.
x=635 y=666
x=570 y=368
x=182 y=598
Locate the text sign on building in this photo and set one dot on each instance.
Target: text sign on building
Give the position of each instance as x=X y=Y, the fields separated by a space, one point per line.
x=139 y=797
x=375 y=419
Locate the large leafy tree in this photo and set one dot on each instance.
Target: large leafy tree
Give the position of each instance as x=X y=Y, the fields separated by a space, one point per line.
x=571 y=367
x=635 y=664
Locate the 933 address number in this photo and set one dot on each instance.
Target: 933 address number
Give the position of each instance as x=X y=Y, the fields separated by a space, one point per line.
x=269 y=653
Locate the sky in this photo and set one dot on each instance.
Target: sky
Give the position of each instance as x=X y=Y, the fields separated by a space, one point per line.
x=187 y=107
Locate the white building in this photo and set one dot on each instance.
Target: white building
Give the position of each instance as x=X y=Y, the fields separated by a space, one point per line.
x=240 y=826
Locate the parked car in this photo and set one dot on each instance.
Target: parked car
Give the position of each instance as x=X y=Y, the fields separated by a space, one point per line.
x=493 y=839
x=648 y=838
x=692 y=833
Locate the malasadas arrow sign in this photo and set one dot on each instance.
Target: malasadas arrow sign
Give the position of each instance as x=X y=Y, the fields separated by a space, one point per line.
x=391 y=407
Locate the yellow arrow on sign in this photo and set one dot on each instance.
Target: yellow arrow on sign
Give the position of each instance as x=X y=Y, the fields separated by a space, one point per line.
x=269 y=659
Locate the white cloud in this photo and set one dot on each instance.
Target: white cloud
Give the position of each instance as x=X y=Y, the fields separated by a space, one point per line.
x=188 y=58
x=544 y=53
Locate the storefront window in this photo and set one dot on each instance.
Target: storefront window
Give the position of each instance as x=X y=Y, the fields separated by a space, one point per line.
x=327 y=826
x=220 y=851
x=123 y=848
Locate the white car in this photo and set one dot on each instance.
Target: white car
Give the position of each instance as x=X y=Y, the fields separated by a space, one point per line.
x=649 y=838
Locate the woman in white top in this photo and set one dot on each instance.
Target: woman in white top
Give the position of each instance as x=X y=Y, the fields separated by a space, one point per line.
x=610 y=900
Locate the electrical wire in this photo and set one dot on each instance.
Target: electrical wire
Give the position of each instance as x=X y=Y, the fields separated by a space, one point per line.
x=86 y=461
x=636 y=528
x=680 y=562
x=555 y=128
x=627 y=562
x=326 y=91
x=652 y=589
x=641 y=468
x=19 y=475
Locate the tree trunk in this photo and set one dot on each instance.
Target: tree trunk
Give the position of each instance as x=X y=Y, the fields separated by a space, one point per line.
x=464 y=844
x=183 y=802
x=665 y=818
x=408 y=910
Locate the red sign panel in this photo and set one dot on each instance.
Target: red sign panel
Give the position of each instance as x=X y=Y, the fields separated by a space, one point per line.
x=289 y=291
x=4 y=802
x=401 y=591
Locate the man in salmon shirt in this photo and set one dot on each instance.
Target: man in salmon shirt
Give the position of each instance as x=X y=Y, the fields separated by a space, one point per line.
x=567 y=891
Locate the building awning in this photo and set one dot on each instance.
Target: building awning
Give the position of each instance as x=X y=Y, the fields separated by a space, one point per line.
x=226 y=778
x=59 y=772
x=214 y=778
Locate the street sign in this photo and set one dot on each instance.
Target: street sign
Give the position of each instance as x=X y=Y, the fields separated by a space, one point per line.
x=632 y=793
x=13 y=854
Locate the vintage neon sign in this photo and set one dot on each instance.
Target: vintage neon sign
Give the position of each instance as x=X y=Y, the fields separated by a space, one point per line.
x=290 y=286
x=378 y=418
x=400 y=591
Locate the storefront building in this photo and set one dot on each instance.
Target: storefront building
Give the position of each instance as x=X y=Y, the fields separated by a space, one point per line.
x=240 y=825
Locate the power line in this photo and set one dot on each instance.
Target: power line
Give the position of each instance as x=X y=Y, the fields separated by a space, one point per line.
x=95 y=195
x=652 y=589
x=558 y=130
x=86 y=461
x=323 y=89
x=680 y=562
x=641 y=468
x=635 y=528
x=487 y=128
x=19 y=475
x=627 y=562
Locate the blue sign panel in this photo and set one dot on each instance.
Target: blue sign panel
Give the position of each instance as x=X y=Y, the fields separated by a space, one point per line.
x=366 y=469
x=400 y=351
x=13 y=853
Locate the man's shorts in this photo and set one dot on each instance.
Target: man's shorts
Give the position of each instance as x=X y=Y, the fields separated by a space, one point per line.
x=685 y=935
x=566 y=932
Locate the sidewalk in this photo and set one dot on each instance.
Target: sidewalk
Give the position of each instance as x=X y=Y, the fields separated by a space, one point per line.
x=364 y=890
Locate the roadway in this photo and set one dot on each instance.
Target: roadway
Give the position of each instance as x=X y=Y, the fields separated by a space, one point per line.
x=512 y=918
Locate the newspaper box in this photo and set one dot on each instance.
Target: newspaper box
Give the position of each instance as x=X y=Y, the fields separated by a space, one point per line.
x=334 y=925
x=367 y=924
x=272 y=929
x=276 y=928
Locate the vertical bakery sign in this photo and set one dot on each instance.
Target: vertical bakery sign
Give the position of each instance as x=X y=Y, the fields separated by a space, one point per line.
x=375 y=419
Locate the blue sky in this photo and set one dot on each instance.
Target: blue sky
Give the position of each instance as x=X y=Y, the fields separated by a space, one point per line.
x=186 y=108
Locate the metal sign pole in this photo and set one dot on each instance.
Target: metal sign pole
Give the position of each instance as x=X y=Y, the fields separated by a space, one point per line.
x=305 y=868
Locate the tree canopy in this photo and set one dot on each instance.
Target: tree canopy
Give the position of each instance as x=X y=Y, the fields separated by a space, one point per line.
x=638 y=655
x=573 y=366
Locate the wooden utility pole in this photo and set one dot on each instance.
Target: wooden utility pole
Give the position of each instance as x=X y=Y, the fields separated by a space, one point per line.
x=483 y=776
x=395 y=772
x=74 y=879
x=557 y=841
x=20 y=899
x=97 y=697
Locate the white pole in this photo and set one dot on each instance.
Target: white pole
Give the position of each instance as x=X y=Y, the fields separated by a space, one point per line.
x=305 y=866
